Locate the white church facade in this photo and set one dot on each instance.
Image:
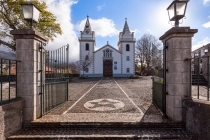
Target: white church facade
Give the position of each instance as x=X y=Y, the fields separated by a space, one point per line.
x=107 y=61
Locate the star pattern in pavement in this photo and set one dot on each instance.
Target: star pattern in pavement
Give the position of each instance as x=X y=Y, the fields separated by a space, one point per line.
x=104 y=103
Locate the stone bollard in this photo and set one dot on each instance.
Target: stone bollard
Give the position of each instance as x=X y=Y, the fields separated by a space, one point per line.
x=28 y=74
x=178 y=76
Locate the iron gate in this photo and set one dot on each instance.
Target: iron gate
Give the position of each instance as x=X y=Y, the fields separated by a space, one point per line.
x=159 y=77
x=54 y=77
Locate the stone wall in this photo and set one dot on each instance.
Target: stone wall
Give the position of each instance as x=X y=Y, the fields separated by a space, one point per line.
x=196 y=114
x=11 y=114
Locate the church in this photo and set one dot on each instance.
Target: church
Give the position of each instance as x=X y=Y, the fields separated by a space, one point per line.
x=107 y=61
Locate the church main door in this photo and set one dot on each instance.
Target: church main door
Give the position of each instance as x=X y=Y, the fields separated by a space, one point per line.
x=107 y=68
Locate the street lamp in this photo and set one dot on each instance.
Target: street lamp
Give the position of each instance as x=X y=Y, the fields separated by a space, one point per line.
x=176 y=11
x=30 y=13
x=196 y=54
x=206 y=51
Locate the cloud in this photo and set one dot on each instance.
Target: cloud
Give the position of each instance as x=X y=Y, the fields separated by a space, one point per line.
x=206 y=25
x=149 y=30
x=100 y=7
x=103 y=27
x=206 y=2
x=201 y=43
x=69 y=35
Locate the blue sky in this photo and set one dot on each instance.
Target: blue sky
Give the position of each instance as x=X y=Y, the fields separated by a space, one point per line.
x=107 y=18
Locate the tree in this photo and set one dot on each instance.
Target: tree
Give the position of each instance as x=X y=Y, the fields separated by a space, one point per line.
x=144 y=48
x=11 y=18
x=86 y=62
x=73 y=68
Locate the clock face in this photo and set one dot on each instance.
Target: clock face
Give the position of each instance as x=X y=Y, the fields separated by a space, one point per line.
x=87 y=31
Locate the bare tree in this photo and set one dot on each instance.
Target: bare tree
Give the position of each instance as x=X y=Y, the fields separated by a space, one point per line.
x=144 y=48
x=86 y=62
x=73 y=68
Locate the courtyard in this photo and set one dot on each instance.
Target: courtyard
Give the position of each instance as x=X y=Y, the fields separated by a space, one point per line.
x=107 y=100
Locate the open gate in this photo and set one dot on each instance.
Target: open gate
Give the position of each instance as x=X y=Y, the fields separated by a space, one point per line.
x=159 y=77
x=54 y=77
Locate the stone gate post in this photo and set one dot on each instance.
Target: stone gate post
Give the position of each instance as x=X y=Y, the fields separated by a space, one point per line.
x=28 y=74
x=178 y=78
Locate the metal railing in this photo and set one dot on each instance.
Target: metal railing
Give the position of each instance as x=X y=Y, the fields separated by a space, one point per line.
x=200 y=77
x=158 y=94
x=54 y=78
x=8 y=79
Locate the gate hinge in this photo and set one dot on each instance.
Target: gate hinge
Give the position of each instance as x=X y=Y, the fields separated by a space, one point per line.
x=40 y=70
x=166 y=70
x=166 y=47
x=40 y=93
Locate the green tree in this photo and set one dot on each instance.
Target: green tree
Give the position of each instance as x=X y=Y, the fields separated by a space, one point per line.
x=11 y=18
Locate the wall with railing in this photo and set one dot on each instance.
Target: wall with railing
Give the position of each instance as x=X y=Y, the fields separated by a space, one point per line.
x=196 y=111
x=200 y=77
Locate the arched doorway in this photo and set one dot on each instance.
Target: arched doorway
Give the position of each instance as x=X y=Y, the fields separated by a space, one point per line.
x=107 y=68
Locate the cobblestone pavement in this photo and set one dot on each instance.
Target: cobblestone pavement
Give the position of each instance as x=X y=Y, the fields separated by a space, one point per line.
x=107 y=100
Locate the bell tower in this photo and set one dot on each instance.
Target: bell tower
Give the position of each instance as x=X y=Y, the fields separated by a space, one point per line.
x=87 y=44
x=126 y=45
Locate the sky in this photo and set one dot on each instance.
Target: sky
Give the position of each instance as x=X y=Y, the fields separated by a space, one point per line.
x=107 y=19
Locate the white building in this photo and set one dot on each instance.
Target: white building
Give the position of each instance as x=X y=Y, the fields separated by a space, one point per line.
x=107 y=61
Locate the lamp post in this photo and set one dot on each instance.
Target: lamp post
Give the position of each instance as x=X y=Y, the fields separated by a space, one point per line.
x=177 y=10
x=30 y=13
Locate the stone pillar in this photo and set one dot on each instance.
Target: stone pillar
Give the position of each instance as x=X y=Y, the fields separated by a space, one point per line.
x=28 y=74
x=178 y=76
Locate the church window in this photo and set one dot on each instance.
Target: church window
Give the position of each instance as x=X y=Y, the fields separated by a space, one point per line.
x=128 y=70
x=127 y=58
x=127 y=47
x=87 y=47
x=107 y=53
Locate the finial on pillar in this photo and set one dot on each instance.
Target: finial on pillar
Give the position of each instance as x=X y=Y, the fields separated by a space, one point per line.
x=87 y=16
x=125 y=19
x=107 y=42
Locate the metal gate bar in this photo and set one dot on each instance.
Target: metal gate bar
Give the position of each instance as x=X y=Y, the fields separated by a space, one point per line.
x=54 y=77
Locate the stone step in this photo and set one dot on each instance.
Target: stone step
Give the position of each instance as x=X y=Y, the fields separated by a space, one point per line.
x=102 y=134
x=199 y=79
x=162 y=125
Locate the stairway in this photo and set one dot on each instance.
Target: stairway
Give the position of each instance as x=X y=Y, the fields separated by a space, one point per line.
x=199 y=79
x=102 y=131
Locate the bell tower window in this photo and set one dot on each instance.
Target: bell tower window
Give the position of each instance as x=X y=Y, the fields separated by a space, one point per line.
x=127 y=47
x=87 y=47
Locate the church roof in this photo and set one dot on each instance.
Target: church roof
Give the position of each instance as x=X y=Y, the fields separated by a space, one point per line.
x=87 y=25
x=107 y=45
x=126 y=28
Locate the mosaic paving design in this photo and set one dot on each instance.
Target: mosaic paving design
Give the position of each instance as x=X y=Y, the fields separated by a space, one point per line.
x=106 y=96
x=104 y=105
